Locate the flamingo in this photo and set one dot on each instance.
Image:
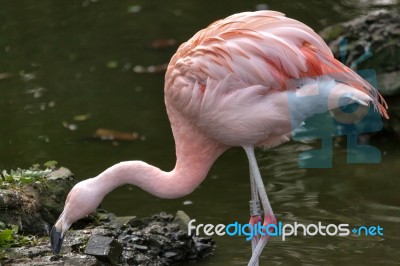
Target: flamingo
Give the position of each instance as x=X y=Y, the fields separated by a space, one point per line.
x=229 y=86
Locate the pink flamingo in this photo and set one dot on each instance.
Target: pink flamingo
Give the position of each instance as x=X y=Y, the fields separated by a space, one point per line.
x=229 y=86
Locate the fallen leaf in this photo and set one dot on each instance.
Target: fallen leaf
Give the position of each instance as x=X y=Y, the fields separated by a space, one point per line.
x=82 y=117
x=109 y=134
x=5 y=75
x=163 y=43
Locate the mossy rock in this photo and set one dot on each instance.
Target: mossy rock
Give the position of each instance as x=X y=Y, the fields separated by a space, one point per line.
x=35 y=206
x=378 y=32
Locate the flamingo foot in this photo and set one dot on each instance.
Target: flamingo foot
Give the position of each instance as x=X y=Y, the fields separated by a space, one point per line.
x=253 y=221
x=270 y=219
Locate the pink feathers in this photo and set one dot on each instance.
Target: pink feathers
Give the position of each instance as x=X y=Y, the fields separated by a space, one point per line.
x=224 y=80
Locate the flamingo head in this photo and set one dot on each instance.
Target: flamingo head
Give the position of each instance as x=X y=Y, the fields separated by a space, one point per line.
x=82 y=200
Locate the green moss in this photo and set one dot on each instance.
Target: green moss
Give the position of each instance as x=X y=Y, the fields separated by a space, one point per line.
x=25 y=176
x=9 y=237
x=333 y=32
x=13 y=180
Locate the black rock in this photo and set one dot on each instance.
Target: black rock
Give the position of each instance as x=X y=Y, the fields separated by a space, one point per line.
x=104 y=249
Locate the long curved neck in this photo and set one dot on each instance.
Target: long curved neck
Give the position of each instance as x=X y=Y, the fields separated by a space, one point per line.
x=195 y=154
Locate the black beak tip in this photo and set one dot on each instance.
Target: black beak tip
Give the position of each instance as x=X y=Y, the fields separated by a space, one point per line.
x=55 y=240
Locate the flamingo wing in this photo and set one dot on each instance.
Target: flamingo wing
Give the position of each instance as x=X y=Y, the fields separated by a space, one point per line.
x=233 y=75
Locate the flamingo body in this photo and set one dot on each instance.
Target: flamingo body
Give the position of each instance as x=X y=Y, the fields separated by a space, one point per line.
x=239 y=82
x=231 y=80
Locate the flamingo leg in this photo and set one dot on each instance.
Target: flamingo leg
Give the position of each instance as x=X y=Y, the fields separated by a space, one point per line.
x=255 y=212
x=269 y=216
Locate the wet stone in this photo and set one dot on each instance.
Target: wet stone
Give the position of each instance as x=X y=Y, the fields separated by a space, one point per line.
x=170 y=254
x=140 y=247
x=182 y=219
x=161 y=241
x=158 y=240
x=123 y=220
x=138 y=223
x=104 y=249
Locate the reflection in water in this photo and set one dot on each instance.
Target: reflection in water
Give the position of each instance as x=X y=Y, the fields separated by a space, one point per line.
x=79 y=57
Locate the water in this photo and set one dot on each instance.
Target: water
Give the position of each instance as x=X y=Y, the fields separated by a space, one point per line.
x=76 y=57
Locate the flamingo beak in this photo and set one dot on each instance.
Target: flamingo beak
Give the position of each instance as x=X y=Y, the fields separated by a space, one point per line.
x=56 y=240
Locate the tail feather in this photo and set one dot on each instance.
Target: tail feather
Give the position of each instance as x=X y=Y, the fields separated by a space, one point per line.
x=320 y=64
x=323 y=94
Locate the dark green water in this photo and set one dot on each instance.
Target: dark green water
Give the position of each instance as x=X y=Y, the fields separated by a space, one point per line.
x=78 y=56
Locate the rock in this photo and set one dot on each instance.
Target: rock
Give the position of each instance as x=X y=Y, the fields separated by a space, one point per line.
x=182 y=219
x=35 y=206
x=40 y=255
x=161 y=240
x=140 y=247
x=138 y=222
x=59 y=173
x=100 y=240
x=378 y=32
x=123 y=220
x=104 y=249
x=389 y=82
x=170 y=254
